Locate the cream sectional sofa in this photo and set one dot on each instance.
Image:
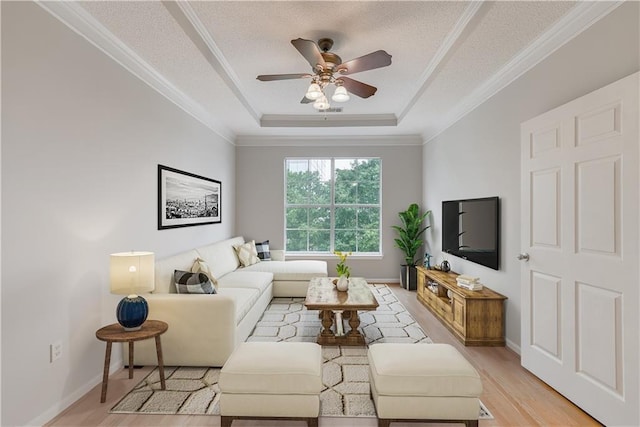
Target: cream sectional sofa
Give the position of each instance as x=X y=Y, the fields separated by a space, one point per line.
x=205 y=329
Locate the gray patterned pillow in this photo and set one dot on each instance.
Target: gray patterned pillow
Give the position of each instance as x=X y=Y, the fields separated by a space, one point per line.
x=263 y=251
x=192 y=283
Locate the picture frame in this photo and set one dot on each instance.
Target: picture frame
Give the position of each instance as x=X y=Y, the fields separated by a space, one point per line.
x=186 y=199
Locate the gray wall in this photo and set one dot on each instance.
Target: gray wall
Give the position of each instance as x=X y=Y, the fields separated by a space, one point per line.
x=81 y=141
x=480 y=155
x=260 y=183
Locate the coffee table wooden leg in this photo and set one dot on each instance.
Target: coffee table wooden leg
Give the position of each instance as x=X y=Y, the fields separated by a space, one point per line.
x=105 y=373
x=327 y=322
x=354 y=323
x=130 y=359
x=163 y=385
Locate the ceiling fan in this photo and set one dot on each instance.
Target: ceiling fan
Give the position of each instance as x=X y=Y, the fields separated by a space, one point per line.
x=327 y=68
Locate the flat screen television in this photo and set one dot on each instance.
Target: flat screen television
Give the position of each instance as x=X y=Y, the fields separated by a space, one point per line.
x=471 y=230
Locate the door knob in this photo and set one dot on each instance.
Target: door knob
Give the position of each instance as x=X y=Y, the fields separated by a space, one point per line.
x=523 y=256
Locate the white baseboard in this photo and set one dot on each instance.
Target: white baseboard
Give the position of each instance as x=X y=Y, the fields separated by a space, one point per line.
x=370 y=280
x=513 y=346
x=57 y=408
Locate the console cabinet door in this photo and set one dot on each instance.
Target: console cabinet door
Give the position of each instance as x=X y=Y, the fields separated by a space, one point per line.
x=458 y=313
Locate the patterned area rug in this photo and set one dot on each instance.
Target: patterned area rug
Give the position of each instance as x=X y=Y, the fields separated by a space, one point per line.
x=344 y=371
x=287 y=319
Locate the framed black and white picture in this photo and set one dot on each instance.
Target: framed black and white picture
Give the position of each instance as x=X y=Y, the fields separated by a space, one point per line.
x=186 y=199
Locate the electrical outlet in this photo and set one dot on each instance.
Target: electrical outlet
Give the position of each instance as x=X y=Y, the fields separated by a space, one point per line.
x=55 y=351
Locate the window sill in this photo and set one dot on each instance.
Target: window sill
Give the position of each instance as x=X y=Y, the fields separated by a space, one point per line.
x=325 y=256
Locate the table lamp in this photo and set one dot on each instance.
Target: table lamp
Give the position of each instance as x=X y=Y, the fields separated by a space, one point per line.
x=132 y=273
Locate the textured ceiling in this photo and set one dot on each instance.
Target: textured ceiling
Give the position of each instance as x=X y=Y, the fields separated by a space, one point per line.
x=446 y=56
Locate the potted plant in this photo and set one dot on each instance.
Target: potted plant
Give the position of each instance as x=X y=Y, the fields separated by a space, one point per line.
x=409 y=241
x=343 y=270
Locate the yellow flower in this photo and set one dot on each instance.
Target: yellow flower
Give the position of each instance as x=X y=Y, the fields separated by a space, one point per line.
x=342 y=268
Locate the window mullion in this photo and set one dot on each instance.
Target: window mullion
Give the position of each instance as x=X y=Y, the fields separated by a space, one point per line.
x=332 y=209
x=308 y=224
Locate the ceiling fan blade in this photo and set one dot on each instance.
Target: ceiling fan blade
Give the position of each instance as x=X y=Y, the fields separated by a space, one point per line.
x=376 y=59
x=310 y=51
x=271 y=77
x=306 y=100
x=360 y=89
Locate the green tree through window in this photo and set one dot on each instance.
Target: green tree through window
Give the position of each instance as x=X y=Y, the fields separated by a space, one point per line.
x=332 y=204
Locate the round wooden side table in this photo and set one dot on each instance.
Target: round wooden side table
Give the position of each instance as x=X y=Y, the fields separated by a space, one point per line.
x=116 y=333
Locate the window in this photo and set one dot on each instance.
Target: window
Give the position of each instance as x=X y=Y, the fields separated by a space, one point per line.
x=332 y=204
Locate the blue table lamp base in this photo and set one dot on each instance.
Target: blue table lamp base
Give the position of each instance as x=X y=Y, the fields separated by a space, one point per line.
x=132 y=311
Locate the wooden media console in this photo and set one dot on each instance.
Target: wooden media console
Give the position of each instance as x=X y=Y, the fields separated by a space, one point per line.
x=475 y=317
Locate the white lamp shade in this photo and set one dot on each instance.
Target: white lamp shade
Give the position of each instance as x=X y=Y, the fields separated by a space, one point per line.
x=321 y=103
x=132 y=272
x=340 y=95
x=314 y=92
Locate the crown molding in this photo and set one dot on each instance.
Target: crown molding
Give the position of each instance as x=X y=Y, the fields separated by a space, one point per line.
x=324 y=120
x=193 y=27
x=446 y=46
x=581 y=17
x=80 y=21
x=327 y=141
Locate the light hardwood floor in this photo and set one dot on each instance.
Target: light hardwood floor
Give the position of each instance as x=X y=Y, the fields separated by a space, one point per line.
x=513 y=395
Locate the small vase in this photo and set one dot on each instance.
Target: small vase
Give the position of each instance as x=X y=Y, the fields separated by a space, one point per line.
x=445 y=266
x=343 y=283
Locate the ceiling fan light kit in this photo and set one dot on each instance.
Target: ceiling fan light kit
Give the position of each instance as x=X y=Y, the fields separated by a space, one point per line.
x=314 y=92
x=321 y=103
x=340 y=95
x=325 y=66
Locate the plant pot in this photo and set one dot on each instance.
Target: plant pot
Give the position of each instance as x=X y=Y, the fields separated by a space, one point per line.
x=343 y=283
x=409 y=277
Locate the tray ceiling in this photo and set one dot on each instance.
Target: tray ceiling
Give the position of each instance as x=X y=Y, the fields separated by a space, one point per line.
x=447 y=57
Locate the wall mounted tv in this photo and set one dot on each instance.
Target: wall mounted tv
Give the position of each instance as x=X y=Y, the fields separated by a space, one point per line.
x=471 y=230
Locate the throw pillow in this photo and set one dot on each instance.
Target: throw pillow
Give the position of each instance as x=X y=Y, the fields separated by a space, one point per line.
x=247 y=253
x=192 y=283
x=263 y=251
x=201 y=266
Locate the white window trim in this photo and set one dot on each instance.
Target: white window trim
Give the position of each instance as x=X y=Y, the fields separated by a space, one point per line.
x=329 y=255
x=325 y=255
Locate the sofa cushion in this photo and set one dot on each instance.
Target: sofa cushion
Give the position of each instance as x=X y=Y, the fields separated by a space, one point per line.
x=247 y=279
x=201 y=266
x=291 y=270
x=244 y=299
x=263 y=250
x=277 y=254
x=192 y=283
x=221 y=256
x=166 y=267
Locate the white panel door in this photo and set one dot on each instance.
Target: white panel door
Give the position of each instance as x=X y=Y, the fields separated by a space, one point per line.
x=580 y=222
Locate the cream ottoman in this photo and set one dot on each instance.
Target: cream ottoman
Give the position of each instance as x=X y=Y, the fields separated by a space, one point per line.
x=265 y=380
x=422 y=383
